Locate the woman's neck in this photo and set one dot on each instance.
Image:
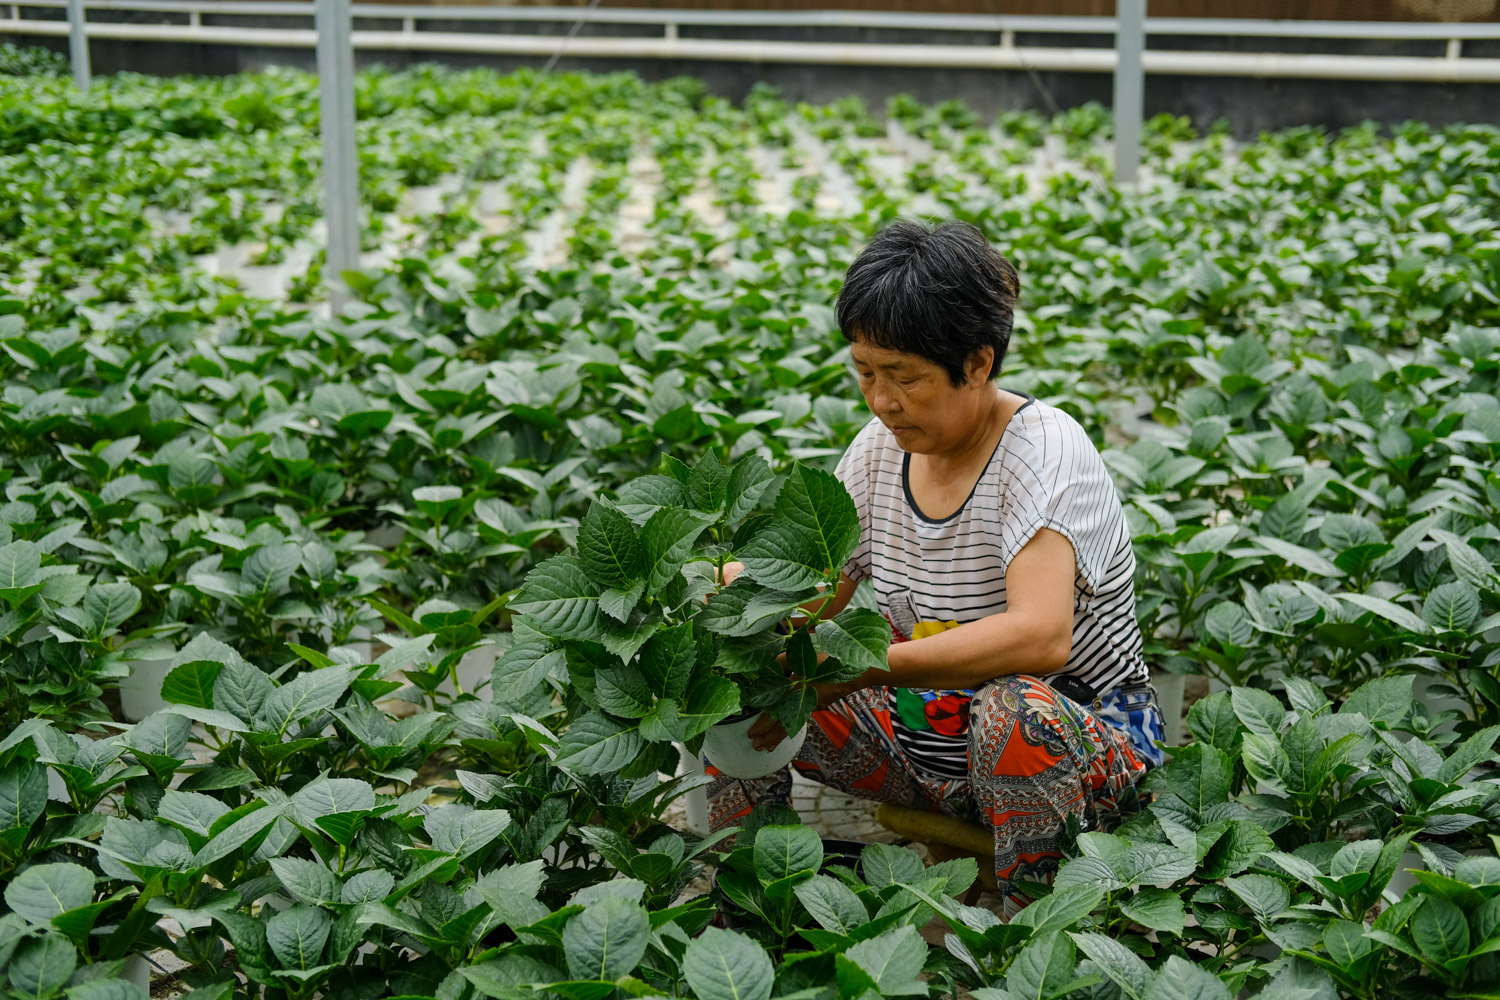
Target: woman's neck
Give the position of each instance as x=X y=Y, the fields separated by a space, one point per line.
x=988 y=425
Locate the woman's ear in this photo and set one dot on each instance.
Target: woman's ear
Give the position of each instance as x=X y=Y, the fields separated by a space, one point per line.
x=977 y=368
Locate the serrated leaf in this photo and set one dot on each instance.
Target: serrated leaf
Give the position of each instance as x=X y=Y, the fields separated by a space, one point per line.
x=598 y=744
x=609 y=549
x=721 y=965
x=782 y=851
x=297 y=935
x=1258 y=710
x=1440 y=929
x=192 y=683
x=831 y=903
x=1117 y=962
x=308 y=881
x=607 y=940
x=1451 y=607
x=748 y=481
x=464 y=830
x=559 y=600
x=1158 y=909
x=667 y=540
x=42 y=892
x=813 y=532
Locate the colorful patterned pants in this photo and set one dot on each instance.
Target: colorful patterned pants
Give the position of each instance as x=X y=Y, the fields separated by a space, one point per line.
x=1035 y=758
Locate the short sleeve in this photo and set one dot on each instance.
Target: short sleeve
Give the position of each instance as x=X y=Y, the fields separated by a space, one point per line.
x=854 y=471
x=1058 y=480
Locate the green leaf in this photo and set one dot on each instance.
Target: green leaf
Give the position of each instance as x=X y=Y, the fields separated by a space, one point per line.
x=19 y=562
x=1440 y=930
x=297 y=935
x=192 y=683
x=721 y=965
x=41 y=965
x=667 y=660
x=269 y=569
x=884 y=865
x=1265 y=896
x=858 y=638
x=1451 y=607
x=623 y=691
x=1471 y=567
x=42 y=892
x=559 y=600
x=240 y=832
x=1042 y=969
x=607 y=940
x=1389 y=610
x=708 y=484
x=1472 y=751
x=1346 y=943
x=893 y=960
x=813 y=532
x=747 y=482
x=1180 y=979
x=1158 y=909
x=1383 y=701
x=464 y=830
x=303 y=696
x=308 y=881
x=832 y=904
x=667 y=540
x=1258 y=710
x=1213 y=721
x=192 y=812
x=598 y=744
x=108 y=605
x=368 y=887
x=608 y=547
x=1298 y=556
x=23 y=794
x=1117 y=962
x=782 y=851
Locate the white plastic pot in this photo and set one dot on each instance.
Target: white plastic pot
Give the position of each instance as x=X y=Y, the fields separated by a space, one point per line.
x=137 y=971
x=728 y=748
x=1169 y=690
x=140 y=693
x=476 y=667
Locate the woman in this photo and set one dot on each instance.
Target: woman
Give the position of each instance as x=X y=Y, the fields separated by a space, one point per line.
x=992 y=533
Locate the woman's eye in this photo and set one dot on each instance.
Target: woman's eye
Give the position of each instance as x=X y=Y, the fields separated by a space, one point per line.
x=906 y=381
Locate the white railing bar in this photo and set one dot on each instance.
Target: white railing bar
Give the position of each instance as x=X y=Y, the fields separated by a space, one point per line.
x=1081 y=60
x=1230 y=27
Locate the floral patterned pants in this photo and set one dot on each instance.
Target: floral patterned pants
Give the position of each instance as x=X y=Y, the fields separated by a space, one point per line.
x=1035 y=758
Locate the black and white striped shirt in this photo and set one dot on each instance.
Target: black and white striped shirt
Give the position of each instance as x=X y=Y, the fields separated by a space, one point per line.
x=1045 y=472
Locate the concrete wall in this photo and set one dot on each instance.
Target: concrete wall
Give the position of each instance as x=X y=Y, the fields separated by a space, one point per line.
x=1251 y=105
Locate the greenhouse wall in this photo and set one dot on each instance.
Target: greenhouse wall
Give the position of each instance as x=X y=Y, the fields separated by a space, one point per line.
x=1252 y=105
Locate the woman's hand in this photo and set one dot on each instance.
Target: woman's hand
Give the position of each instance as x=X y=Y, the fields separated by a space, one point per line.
x=768 y=732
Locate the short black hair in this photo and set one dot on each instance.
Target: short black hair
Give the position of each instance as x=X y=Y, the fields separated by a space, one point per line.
x=939 y=292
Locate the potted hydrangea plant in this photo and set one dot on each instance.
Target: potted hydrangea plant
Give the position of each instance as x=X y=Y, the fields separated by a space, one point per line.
x=658 y=653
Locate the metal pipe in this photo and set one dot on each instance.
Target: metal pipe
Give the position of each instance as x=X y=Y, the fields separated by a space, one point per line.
x=1130 y=89
x=340 y=154
x=78 y=45
x=1047 y=24
x=1417 y=69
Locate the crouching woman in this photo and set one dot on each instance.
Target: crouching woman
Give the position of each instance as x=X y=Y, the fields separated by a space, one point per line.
x=996 y=545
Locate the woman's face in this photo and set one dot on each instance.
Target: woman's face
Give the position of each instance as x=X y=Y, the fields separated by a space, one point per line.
x=917 y=401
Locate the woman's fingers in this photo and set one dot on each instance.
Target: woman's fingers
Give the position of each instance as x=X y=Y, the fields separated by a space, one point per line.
x=767 y=733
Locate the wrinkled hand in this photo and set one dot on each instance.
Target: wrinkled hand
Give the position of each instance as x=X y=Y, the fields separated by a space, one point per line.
x=768 y=732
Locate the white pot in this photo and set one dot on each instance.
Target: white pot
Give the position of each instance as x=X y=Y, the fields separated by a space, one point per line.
x=1434 y=703
x=1169 y=689
x=140 y=693
x=138 y=971
x=695 y=800
x=727 y=746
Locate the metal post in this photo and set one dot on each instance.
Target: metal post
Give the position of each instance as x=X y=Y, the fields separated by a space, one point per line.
x=78 y=45
x=340 y=155
x=1130 y=87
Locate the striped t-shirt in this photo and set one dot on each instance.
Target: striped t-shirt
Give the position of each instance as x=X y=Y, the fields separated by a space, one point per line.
x=929 y=573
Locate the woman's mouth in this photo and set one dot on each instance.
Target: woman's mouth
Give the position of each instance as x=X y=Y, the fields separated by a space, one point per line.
x=898 y=431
